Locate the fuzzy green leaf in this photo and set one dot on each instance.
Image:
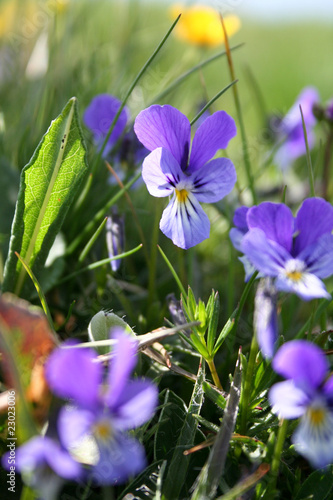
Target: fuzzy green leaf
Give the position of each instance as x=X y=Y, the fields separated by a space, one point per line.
x=49 y=184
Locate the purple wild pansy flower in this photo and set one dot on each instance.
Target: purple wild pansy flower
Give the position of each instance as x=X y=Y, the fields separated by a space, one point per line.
x=45 y=465
x=98 y=117
x=190 y=177
x=115 y=238
x=307 y=393
x=290 y=128
x=236 y=235
x=297 y=252
x=103 y=409
x=265 y=317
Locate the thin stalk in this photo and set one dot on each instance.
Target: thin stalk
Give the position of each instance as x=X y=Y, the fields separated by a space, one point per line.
x=185 y=75
x=209 y=103
x=216 y=378
x=95 y=220
x=243 y=298
x=173 y=272
x=277 y=458
x=327 y=161
x=130 y=90
x=99 y=263
x=41 y=295
x=245 y=148
x=92 y=240
x=135 y=217
x=248 y=384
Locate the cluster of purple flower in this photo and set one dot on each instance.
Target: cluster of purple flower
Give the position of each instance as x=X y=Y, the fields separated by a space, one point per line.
x=91 y=439
x=290 y=254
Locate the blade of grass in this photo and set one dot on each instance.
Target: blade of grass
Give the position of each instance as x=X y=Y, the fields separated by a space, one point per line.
x=201 y=112
x=245 y=148
x=99 y=263
x=130 y=90
x=185 y=75
x=173 y=272
x=308 y=156
x=130 y=204
x=92 y=240
x=90 y=226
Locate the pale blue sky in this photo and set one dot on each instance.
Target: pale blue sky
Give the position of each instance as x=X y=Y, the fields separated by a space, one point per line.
x=273 y=10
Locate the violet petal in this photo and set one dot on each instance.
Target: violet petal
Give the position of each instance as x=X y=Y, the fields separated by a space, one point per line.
x=303 y=362
x=214 y=181
x=275 y=219
x=214 y=134
x=266 y=255
x=72 y=374
x=185 y=222
x=288 y=400
x=166 y=127
x=314 y=218
x=161 y=172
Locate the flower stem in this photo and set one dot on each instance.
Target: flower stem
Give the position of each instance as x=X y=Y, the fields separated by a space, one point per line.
x=248 y=384
x=327 y=161
x=281 y=436
x=214 y=374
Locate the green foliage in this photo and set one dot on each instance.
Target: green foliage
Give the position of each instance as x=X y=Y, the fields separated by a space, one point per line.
x=48 y=186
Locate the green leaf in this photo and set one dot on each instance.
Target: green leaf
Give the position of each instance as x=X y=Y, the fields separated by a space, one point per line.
x=170 y=422
x=213 y=321
x=224 y=333
x=179 y=464
x=100 y=326
x=318 y=486
x=191 y=302
x=214 y=395
x=146 y=486
x=49 y=184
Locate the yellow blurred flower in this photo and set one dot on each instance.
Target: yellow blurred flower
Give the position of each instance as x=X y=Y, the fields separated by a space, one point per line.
x=201 y=25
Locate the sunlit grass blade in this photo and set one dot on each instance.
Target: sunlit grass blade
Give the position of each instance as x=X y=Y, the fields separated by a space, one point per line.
x=49 y=184
x=100 y=214
x=173 y=272
x=131 y=88
x=92 y=240
x=245 y=147
x=99 y=263
x=209 y=103
x=213 y=321
x=188 y=73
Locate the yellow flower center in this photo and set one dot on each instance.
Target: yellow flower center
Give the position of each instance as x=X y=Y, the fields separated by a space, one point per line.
x=182 y=195
x=316 y=415
x=103 y=430
x=294 y=275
